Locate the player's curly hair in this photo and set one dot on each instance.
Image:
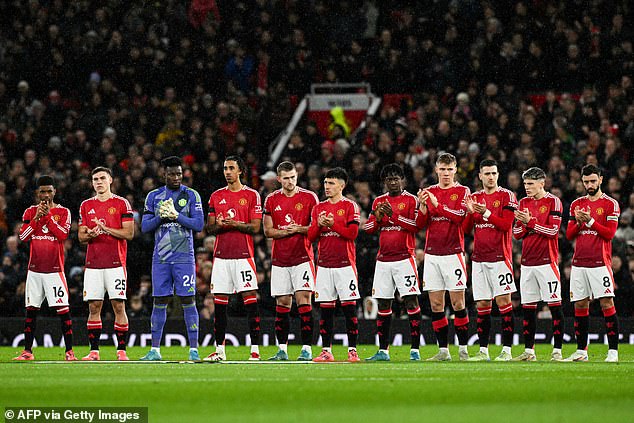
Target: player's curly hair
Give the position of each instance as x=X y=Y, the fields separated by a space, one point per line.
x=239 y=161
x=391 y=169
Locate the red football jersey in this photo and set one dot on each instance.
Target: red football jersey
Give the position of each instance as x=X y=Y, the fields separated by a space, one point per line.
x=47 y=237
x=284 y=211
x=397 y=240
x=336 y=244
x=106 y=251
x=444 y=231
x=492 y=237
x=539 y=236
x=242 y=206
x=593 y=246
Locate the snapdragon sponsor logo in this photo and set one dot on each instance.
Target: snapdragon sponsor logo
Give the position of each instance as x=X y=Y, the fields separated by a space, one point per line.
x=485 y=225
x=439 y=218
x=391 y=228
x=43 y=238
x=170 y=225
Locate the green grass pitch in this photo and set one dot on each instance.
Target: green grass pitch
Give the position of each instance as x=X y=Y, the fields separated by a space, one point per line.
x=398 y=391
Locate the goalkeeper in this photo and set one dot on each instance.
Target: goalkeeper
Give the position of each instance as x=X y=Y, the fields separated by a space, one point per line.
x=173 y=212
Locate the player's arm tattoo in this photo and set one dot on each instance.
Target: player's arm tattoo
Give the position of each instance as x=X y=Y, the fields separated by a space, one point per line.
x=250 y=228
x=214 y=228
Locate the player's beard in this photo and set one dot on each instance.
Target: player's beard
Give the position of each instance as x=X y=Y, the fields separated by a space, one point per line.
x=591 y=191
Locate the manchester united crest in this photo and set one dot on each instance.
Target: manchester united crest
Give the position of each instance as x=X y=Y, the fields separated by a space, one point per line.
x=401 y=206
x=242 y=201
x=299 y=206
x=543 y=209
x=341 y=212
x=112 y=210
x=453 y=197
x=496 y=203
x=600 y=211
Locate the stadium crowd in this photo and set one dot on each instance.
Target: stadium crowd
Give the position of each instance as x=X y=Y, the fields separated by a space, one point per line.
x=124 y=84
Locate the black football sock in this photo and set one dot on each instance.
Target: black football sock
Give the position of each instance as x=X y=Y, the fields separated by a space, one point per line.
x=30 y=323
x=528 y=323
x=441 y=327
x=484 y=326
x=582 y=322
x=414 y=326
x=611 y=327
x=282 y=324
x=383 y=327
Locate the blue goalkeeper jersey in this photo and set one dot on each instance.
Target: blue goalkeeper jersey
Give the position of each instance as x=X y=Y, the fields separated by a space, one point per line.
x=173 y=239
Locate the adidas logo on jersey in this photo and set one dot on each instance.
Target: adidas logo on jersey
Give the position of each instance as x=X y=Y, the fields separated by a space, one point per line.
x=306 y=285
x=121 y=293
x=412 y=289
x=223 y=201
x=247 y=285
x=459 y=283
x=353 y=294
x=508 y=288
x=278 y=208
x=553 y=296
x=607 y=291
x=59 y=301
x=92 y=211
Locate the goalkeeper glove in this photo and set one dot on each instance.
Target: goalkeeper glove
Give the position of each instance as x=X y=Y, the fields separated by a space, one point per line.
x=167 y=210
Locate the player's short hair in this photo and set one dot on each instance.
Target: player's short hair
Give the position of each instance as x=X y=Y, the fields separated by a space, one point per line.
x=446 y=158
x=101 y=169
x=591 y=169
x=488 y=162
x=172 y=161
x=45 y=180
x=285 y=167
x=337 y=173
x=392 y=169
x=239 y=161
x=534 y=173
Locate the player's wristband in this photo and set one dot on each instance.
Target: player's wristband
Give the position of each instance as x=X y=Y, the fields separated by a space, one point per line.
x=590 y=223
x=486 y=214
